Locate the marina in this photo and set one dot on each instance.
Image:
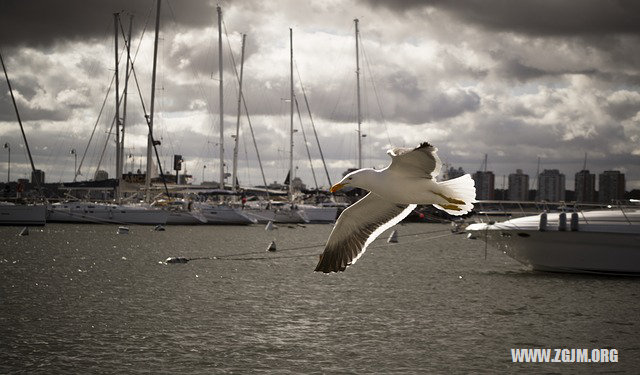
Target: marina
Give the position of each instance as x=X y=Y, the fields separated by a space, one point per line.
x=351 y=187
x=80 y=298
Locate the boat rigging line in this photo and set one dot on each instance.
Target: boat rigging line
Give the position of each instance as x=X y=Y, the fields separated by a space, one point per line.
x=304 y=94
x=375 y=91
x=246 y=111
x=306 y=144
x=148 y=121
x=95 y=126
x=144 y=29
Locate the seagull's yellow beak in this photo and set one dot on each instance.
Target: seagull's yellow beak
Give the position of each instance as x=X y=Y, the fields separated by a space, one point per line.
x=336 y=187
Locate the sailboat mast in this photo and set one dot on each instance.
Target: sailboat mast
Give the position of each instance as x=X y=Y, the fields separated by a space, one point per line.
x=24 y=136
x=126 y=87
x=358 y=95
x=117 y=91
x=291 y=127
x=152 y=106
x=221 y=98
x=235 y=148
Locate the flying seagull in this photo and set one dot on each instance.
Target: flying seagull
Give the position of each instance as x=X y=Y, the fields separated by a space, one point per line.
x=393 y=193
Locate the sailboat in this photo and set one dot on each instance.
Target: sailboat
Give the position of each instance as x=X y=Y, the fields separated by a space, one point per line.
x=94 y=212
x=268 y=210
x=220 y=213
x=21 y=214
x=312 y=213
x=327 y=212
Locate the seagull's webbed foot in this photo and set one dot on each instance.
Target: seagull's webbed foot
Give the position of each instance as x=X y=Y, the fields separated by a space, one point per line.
x=451 y=207
x=450 y=200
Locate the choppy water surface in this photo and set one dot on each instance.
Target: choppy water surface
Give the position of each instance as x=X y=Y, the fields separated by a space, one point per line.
x=82 y=299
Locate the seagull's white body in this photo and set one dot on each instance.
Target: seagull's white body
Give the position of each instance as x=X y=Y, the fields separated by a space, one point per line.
x=394 y=193
x=399 y=188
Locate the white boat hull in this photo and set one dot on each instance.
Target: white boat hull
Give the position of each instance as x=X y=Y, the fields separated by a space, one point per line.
x=606 y=242
x=276 y=215
x=224 y=215
x=23 y=214
x=319 y=214
x=105 y=214
x=185 y=218
x=584 y=252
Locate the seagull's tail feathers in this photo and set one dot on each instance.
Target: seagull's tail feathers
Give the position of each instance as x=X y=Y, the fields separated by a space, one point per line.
x=461 y=194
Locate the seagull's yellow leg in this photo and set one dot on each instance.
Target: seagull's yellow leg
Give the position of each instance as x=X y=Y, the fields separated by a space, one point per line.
x=451 y=207
x=449 y=199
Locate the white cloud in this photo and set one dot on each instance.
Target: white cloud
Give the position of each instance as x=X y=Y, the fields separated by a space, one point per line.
x=441 y=74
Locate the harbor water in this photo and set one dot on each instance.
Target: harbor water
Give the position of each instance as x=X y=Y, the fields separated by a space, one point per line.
x=84 y=299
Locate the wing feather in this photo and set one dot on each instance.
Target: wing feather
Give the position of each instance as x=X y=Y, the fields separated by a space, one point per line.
x=356 y=228
x=421 y=161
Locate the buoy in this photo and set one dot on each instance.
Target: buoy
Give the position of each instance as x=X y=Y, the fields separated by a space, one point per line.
x=393 y=238
x=270 y=226
x=159 y=228
x=123 y=230
x=24 y=231
x=272 y=246
x=174 y=260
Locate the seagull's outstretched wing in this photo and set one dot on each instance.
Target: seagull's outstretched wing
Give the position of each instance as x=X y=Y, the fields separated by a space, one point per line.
x=421 y=161
x=356 y=228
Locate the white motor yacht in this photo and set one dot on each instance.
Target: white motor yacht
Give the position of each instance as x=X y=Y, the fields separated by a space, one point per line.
x=600 y=241
x=103 y=213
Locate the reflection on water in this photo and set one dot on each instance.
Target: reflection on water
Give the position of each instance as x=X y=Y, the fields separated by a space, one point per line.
x=80 y=298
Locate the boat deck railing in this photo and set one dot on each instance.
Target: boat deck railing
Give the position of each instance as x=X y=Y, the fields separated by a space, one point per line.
x=490 y=209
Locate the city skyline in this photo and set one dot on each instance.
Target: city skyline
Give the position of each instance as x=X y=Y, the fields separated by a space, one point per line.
x=518 y=83
x=550 y=185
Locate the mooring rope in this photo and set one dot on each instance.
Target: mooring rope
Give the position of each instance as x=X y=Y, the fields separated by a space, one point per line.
x=244 y=256
x=308 y=255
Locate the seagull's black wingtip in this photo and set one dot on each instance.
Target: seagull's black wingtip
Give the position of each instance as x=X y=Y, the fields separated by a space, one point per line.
x=327 y=265
x=424 y=145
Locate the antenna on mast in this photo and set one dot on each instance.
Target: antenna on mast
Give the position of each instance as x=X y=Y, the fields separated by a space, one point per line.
x=358 y=94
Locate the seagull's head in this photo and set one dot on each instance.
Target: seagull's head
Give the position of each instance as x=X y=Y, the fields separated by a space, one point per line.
x=357 y=179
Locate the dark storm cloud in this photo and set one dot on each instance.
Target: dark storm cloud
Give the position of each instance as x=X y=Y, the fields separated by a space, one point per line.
x=42 y=23
x=419 y=105
x=536 y=17
x=623 y=105
x=27 y=111
x=514 y=69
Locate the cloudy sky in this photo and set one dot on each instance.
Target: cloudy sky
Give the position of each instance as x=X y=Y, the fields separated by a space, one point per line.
x=518 y=81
